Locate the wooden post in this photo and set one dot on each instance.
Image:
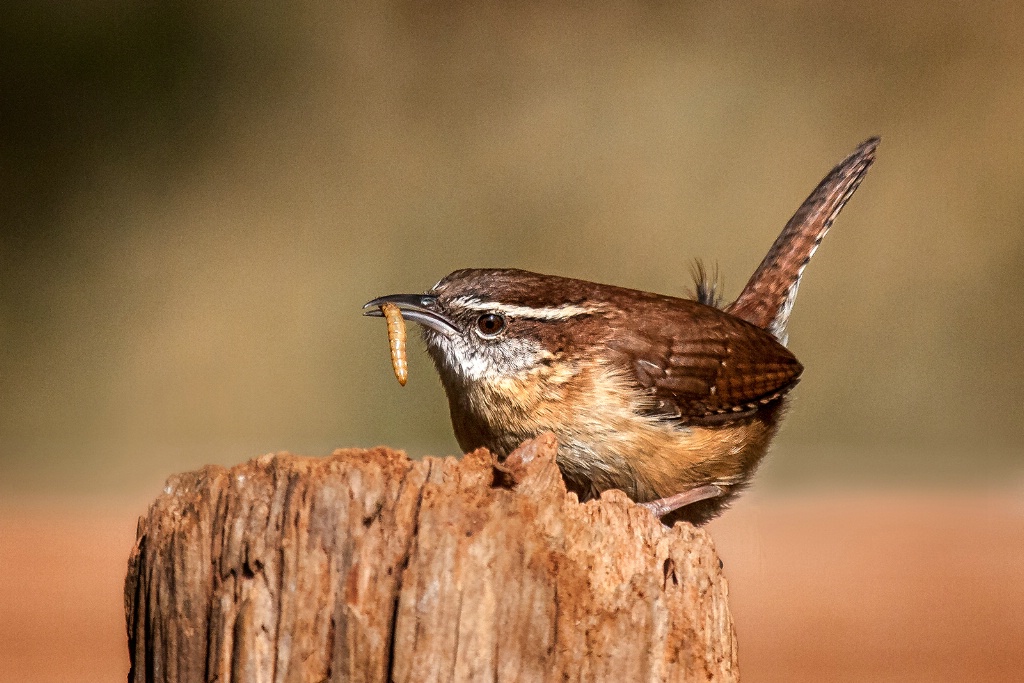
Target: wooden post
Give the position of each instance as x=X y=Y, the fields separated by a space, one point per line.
x=366 y=566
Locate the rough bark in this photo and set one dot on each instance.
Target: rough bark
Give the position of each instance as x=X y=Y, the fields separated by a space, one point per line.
x=366 y=566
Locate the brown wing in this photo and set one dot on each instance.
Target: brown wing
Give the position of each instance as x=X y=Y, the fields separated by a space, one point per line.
x=701 y=365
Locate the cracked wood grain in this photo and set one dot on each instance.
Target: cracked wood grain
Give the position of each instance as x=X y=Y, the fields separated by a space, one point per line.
x=366 y=566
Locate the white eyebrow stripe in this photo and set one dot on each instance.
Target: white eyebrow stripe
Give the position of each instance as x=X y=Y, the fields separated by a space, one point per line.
x=548 y=313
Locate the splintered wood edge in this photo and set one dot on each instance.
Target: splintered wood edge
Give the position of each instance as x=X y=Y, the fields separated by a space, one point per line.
x=212 y=579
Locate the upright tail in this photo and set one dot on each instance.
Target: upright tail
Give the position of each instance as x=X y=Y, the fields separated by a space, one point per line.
x=768 y=298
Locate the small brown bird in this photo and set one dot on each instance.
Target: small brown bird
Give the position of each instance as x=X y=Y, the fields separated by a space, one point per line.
x=672 y=401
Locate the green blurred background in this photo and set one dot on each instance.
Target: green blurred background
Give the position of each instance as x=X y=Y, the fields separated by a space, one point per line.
x=197 y=197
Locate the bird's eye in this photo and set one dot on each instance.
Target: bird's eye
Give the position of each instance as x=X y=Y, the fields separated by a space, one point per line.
x=490 y=325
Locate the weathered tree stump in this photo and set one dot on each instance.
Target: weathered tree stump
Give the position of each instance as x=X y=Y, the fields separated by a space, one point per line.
x=366 y=566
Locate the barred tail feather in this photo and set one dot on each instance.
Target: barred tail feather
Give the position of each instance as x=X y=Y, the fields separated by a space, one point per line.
x=768 y=297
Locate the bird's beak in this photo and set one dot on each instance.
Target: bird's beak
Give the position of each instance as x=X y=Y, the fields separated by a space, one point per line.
x=419 y=308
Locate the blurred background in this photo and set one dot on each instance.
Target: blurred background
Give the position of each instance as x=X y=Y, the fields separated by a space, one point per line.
x=197 y=197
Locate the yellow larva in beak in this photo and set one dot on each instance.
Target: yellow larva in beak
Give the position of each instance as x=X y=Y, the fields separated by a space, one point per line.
x=396 y=339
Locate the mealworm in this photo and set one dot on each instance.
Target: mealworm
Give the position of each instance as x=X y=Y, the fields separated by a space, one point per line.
x=396 y=337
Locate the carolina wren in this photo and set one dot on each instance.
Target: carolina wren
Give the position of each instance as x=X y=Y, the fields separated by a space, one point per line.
x=664 y=398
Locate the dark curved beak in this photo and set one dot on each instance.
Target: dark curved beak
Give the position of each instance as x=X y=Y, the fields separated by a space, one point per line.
x=419 y=308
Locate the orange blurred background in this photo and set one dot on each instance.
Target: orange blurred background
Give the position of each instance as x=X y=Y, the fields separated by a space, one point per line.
x=196 y=198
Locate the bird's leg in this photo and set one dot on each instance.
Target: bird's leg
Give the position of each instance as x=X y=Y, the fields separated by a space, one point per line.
x=663 y=506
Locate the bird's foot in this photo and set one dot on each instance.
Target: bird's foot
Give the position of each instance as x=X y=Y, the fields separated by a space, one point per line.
x=663 y=506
